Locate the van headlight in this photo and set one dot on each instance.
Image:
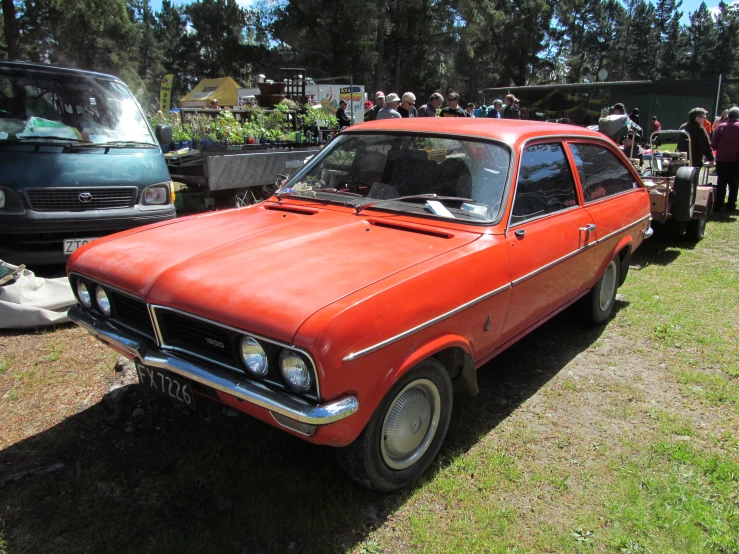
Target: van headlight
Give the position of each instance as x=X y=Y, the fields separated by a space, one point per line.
x=83 y=293
x=155 y=195
x=254 y=357
x=295 y=371
x=103 y=302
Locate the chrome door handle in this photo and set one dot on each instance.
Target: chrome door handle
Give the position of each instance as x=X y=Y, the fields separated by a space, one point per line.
x=520 y=233
x=588 y=228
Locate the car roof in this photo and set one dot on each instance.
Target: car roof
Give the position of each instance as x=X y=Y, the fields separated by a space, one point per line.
x=44 y=68
x=505 y=130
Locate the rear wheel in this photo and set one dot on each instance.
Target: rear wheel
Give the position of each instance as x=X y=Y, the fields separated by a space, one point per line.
x=599 y=302
x=695 y=230
x=405 y=433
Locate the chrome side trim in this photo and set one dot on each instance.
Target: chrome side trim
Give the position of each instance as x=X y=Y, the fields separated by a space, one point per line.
x=622 y=229
x=249 y=391
x=155 y=307
x=648 y=232
x=396 y=338
x=553 y=263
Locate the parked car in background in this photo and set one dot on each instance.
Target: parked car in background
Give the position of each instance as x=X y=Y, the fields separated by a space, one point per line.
x=347 y=308
x=79 y=161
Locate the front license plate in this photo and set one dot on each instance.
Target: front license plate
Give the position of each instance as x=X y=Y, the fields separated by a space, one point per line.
x=166 y=383
x=70 y=245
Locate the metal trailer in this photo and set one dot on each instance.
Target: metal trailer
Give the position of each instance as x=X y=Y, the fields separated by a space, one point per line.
x=675 y=193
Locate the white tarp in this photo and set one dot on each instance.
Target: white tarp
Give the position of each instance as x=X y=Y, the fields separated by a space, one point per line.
x=32 y=301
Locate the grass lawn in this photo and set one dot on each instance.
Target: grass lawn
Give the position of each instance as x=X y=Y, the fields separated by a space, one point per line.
x=622 y=438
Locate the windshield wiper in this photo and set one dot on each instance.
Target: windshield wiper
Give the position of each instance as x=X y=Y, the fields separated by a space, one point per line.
x=429 y=196
x=123 y=144
x=35 y=139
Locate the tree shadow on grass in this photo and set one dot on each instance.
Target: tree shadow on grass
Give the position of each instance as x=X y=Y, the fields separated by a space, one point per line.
x=171 y=480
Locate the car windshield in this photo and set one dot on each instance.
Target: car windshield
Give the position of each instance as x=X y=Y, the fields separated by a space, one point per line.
x=45 y=106
x=382 y=170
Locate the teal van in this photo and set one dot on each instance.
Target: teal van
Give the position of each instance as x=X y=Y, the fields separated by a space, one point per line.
x=78 y=160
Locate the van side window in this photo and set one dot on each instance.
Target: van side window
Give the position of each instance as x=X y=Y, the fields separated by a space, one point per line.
x=545 y=183
x=601 y=173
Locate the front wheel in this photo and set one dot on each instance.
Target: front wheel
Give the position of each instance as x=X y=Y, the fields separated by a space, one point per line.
x=602 y=296
x=405 y=433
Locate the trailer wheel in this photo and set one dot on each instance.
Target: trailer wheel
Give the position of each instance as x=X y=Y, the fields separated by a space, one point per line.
x=683 y=193
x=695 y=229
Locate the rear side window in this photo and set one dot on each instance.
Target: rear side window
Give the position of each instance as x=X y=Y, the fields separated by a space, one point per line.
x=601 y=173
x=545 y=184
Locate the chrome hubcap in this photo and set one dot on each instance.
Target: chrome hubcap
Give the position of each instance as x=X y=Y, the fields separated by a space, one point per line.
x=607 y=286
x=410 y=424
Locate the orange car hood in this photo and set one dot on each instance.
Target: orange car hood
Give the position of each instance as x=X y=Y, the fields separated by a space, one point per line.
x=262 y=269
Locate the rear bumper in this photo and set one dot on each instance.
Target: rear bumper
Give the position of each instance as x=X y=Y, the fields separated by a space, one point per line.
x=37 y=238
x=280 y=405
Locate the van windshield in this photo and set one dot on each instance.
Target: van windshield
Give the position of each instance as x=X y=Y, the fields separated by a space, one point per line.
x=36 y=105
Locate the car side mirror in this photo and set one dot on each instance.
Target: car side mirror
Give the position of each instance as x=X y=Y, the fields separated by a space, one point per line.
x=163 y=133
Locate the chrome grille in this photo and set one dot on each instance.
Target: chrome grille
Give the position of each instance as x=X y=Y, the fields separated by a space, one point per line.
x=81 y=199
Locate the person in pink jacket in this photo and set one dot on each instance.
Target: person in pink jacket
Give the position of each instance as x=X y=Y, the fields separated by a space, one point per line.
x=726 y=144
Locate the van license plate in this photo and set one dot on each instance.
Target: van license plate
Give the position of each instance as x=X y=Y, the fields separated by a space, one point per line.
x=70 y=245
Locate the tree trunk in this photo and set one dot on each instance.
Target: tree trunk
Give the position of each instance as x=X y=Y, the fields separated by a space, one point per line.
x=380 y=45
x=11 y=29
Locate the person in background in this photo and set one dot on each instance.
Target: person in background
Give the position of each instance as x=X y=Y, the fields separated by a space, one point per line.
x=631 y=147
x=511 y=110
x=368 y=105
x=214 y=104
x=653 y=128
x=379 y=104
x=618 y=109
x=430 y=108
x=495 y=109
x=634 y=115
x=390 y=111
x=407 y=106
x=344 y=120
x=726 y=143
x=723 y=119
x=453 y=109
x=707 y=125
x=700 y=144
x=470 y=109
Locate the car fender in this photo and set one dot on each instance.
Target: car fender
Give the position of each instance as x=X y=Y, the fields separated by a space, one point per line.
x=626 y=241
x=427 y=350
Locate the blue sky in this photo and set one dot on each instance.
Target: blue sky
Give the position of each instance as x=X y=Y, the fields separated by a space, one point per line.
x=687 y=7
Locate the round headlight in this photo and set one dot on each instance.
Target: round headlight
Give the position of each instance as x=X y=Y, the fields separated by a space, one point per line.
x=102 y=300
x=84 y=294
x=295 y=371
x=254 y=357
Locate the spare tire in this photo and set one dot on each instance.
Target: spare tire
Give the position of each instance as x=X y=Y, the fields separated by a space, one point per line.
x=683 y=193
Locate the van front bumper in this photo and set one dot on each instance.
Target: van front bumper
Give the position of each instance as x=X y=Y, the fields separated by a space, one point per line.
x=37 y=238
x=279 y=404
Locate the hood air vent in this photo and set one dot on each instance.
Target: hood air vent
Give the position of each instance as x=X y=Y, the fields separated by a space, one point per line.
x=291 y=209
x=411 y=229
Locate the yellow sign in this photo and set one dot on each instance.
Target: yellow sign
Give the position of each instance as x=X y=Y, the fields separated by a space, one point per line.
x=165 y=92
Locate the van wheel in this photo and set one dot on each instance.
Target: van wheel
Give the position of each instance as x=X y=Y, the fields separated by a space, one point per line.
x=405 y=433
x=599 y=302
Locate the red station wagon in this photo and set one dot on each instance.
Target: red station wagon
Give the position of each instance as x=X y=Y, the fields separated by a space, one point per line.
x=347 y=308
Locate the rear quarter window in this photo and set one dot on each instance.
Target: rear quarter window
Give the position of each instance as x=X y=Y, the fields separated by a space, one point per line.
x=602 y=174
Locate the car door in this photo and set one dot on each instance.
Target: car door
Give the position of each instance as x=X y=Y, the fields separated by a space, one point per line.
x=607 y=185
x=549 y=238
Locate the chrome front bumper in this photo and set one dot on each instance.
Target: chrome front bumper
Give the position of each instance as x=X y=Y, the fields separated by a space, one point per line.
x=277 y=402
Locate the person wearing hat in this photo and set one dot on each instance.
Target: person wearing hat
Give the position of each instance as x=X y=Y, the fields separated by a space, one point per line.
x=214 y=104
x=495 y=109
x=511 y=110
x=390 y=111
x=618 y=109
x=453 y=109
x=371 y=114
